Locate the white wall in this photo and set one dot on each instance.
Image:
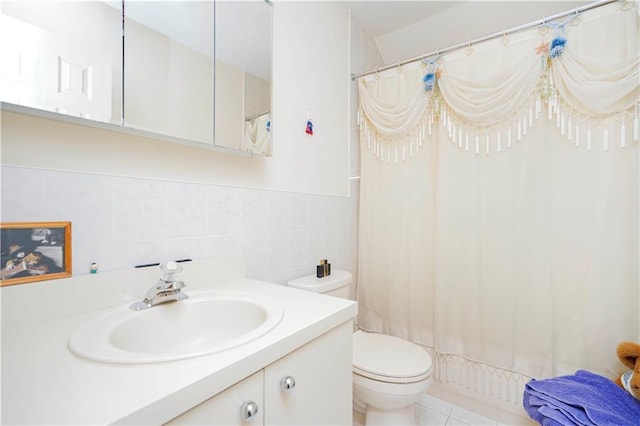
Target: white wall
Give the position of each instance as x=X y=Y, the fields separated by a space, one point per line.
x=465 y=21
x=310 y=74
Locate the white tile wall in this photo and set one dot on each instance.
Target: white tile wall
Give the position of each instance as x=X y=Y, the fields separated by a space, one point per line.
x=119 y=222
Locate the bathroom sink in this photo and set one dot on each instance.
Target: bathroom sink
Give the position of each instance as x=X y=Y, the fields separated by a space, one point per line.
x=203 y=324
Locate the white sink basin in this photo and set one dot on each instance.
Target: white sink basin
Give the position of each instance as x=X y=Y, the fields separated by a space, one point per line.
x=203 y=324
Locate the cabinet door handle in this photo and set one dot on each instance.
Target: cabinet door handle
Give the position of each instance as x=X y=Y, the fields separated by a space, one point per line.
x=287 y=383
x=249 y=410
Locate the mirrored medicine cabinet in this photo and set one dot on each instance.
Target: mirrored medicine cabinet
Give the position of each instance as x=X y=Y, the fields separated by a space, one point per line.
x=195 y=72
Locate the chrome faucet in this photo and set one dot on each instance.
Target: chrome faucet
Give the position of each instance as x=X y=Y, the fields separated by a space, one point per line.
x=167 y=289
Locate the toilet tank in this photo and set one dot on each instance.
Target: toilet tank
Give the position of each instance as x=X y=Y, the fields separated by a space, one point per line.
x=337 y=284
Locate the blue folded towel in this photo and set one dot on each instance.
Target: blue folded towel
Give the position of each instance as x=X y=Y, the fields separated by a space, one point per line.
x=583 y=398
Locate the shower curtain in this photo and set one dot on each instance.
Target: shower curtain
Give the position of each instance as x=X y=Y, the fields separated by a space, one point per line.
x=500 y=200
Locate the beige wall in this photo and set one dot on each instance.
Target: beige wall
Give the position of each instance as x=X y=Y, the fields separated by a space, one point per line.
x=42 y=143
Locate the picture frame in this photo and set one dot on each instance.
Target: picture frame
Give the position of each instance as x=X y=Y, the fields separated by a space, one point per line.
x=34 y=251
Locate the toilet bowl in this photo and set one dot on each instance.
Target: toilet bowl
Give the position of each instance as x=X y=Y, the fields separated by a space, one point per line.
x=389 y=374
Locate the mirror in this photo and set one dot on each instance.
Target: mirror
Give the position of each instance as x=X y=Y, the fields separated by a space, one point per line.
x=62 y=56
x=243 y=75
x=169 y=68
x=70 y=57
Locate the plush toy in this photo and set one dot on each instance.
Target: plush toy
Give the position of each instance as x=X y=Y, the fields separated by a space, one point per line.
x=629 y=355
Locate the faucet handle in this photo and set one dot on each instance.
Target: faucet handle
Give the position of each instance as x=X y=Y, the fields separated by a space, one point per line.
x=167 y=289
x=169 y=269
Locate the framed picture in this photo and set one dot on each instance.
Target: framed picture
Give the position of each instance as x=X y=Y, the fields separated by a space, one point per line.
x=34 y=251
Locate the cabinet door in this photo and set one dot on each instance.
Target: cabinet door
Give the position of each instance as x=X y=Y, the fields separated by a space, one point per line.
x=322 y=371
x=227 y=407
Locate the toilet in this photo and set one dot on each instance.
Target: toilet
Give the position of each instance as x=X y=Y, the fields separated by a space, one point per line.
x=389 y=374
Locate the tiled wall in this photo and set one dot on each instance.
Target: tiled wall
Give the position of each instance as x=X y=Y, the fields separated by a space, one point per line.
x=120 y=222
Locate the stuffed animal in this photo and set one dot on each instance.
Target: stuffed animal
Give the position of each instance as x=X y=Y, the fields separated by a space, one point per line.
x=629 y=355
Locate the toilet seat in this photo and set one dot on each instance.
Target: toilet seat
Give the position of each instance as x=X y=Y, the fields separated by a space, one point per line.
x=389 y=359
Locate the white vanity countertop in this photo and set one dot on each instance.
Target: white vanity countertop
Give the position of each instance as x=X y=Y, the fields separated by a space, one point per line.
x=44 y=383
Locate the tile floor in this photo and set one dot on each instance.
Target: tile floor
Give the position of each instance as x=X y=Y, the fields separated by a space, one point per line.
x=433 y=411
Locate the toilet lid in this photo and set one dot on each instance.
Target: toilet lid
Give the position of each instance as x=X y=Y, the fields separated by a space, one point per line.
x=389 y=359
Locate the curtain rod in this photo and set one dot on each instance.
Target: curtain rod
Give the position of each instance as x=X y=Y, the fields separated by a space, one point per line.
x=251 y=117
x=512 y=30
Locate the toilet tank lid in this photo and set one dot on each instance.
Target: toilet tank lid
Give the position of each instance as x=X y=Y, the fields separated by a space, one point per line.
x=337 y=279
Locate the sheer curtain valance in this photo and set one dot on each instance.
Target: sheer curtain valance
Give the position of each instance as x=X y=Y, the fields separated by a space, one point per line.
x=593 y=80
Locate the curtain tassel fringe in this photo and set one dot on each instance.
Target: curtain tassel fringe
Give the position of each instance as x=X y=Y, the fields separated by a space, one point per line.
x=530 y=116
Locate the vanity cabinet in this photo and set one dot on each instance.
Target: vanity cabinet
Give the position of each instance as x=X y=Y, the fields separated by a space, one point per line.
x=322 y=370
x=311 y=385
x=229 y=406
